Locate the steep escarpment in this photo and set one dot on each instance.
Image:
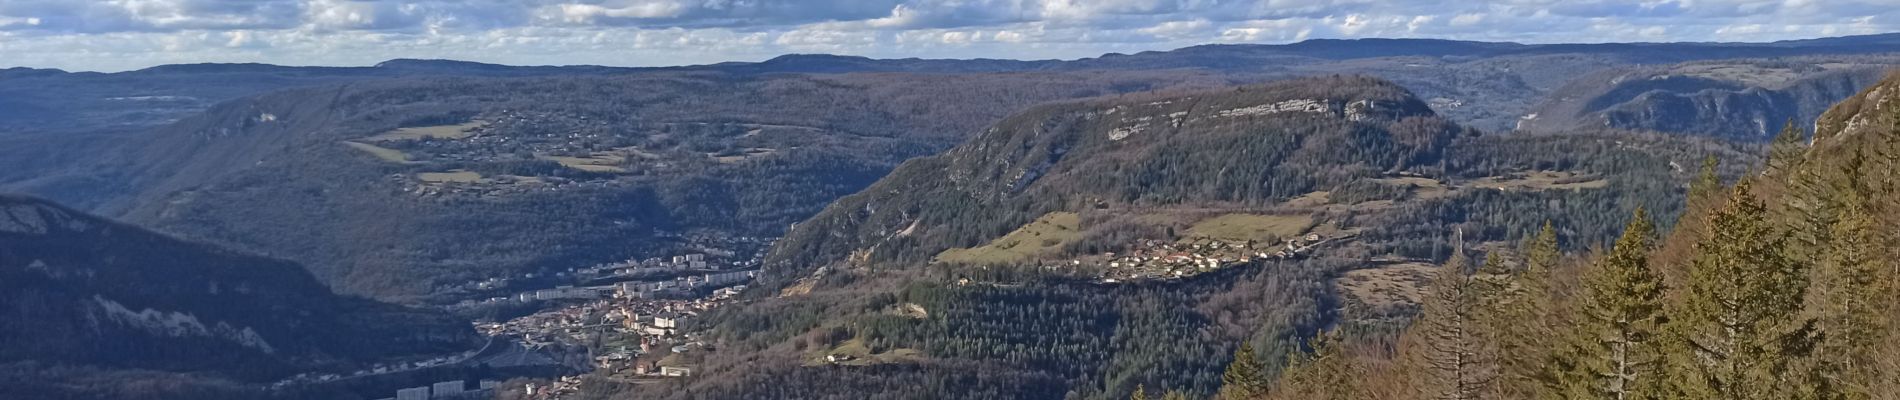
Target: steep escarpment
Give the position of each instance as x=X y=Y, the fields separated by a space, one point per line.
x=81 y=290
x=1246 y=146
x=1867 y=115
x=1748 y=100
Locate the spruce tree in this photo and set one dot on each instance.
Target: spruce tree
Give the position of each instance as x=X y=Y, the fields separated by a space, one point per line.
x=1448 y=357
x=1326 y=374
x=1615 y=348
x=1707 y=182
x=1786 y=152
x=1537 y=363
x=1501 y=322
x=1246 y=376
x=1852 y=320
x=1740 y=329
x=1542 y=253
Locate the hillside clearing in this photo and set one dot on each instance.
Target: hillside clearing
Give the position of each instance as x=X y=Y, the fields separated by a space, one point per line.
x=1043 y=235
x=439 y=132
x=457 y=176
x=856 y=353
x=1249 y=227
x=1541 y=180
x=384 y=153
x=597 y=162
x=741 y=156
x=1387 y=287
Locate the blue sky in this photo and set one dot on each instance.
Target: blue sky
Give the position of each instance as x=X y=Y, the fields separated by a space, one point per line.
x=113 y=35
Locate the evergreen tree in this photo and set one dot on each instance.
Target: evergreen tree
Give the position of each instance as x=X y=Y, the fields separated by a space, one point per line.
x=1851 y=316
x=1141 y=392
x=1739 y=330
x=1542 y=253
x=1707 y=182
x=1813 y=208
x=1246 y=376
x=1502 y=321
x=1448 y=358
x=1533 y=364
x=1326 y=374
x=1614 y=350
x=1786 y=152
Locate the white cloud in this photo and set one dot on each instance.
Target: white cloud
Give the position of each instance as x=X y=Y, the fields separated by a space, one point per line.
x=123 y=34
x=1179 y=29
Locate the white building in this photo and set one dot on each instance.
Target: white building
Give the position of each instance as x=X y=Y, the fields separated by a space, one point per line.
x=449 y=388
x=414 y=393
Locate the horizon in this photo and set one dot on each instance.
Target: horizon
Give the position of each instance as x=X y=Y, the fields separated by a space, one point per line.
x=1066 y=59
x=120 y=36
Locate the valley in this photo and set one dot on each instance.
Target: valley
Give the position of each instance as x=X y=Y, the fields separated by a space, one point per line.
x=816 y=226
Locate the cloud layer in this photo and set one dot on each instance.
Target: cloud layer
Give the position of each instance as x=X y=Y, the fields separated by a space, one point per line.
x=126 y=34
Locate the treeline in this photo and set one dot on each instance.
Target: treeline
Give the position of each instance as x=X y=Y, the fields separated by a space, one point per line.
x=1779 y=287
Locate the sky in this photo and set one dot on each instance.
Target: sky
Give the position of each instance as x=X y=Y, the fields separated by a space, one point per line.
x=117 y=35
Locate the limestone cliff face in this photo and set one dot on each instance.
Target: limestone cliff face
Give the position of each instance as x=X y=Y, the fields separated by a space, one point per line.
x=1875 y=111
x=1701 y=99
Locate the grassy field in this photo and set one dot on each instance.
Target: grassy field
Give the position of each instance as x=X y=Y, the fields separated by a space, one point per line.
x=749 y=153
x=1314 y=199
x=1387 y=287
x=386 y=154
x=861 y=354
x=1245 y=227
x=599 y=162
x=1422 y=188
x=458 y=176
x=439 y=132
x=1541 y=180
x=1045 y=234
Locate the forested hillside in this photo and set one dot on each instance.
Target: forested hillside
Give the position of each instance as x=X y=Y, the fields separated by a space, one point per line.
x=1777 y=285
x=963 y=266
x=391 y=189
x=82 y=296
x=1248 y=146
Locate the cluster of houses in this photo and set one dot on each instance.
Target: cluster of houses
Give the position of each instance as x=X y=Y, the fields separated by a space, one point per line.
x=447 y=390
x=653 y=323
x=630 y=362
x=1300 y=247
x=680 y=286
x=1157 y=259
x=706 y=252
x=559 y=293
x=687 y=262
x=563 y=387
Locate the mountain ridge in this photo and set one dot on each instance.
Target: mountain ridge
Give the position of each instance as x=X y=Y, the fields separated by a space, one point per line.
x=1110 y=154
x=1326 y=47
x=89 y=291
